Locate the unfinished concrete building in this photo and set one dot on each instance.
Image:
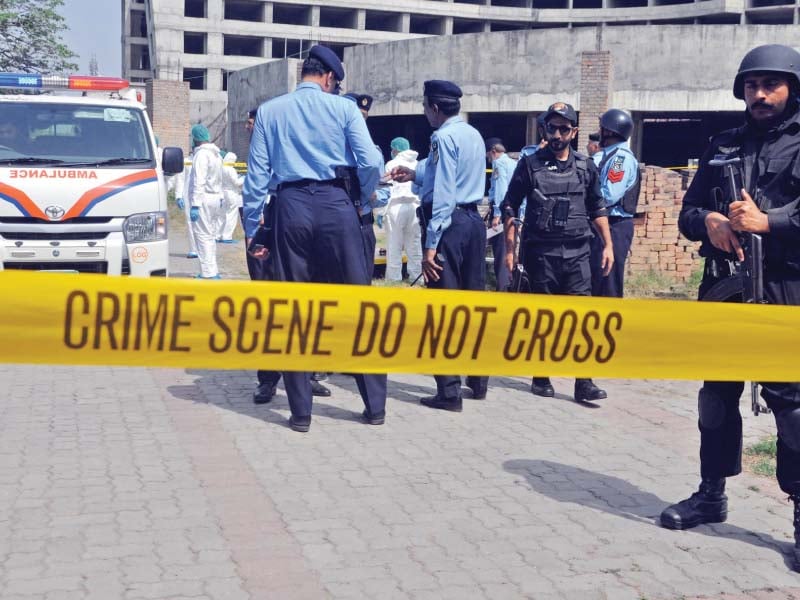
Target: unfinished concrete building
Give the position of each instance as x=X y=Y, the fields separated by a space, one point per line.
x=203 y=41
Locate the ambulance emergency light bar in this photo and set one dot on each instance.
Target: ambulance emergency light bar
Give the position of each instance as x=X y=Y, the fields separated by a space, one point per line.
x=34 y=81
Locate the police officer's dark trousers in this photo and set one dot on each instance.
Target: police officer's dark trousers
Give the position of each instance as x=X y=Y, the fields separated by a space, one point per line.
x=621 y=237
x=255 y=266
x=501 y=273
x=561 y=268
x=720 y=421
x=317 y=238
x=368 y=235
x=462 y=253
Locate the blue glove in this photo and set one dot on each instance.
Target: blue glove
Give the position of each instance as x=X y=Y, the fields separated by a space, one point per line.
x=194 y=214
x=181 y=204
x=379 y=221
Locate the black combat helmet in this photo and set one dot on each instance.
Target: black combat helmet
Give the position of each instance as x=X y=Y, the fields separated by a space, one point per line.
x=771 y=57
x=618 y=121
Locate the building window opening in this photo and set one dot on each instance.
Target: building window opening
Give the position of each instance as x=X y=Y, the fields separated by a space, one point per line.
x=467 y=26
x=194 y=8
x=242 y=45
x=244 y=10
x=426 y=25
x=289 y=14
x=339 y=18
x=140 y=57
x=196 y=78
x=510 y=3
x=138 y=24
x=587 y=3
x=194 y=42
x=508 y=26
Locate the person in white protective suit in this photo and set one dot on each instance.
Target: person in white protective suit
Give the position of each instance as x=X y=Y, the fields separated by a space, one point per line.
x=204 y=196
x=402 y=224
x=177 y=184
x=232 y=196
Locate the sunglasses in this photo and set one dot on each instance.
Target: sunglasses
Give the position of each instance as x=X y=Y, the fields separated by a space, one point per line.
x=551 y=128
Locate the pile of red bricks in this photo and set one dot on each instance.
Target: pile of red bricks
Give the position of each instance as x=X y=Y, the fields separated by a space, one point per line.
x=657 y=244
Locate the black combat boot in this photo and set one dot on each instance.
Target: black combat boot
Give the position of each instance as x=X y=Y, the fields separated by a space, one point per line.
x=541 y=386
x=796 y=550
x=709 y=504
x=585 y=389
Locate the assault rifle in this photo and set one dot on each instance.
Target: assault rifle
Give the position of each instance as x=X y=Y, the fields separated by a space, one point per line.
x=747 y=277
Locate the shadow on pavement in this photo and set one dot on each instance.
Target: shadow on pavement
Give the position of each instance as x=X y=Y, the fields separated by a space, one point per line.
x=616 y=496
x=233 y=390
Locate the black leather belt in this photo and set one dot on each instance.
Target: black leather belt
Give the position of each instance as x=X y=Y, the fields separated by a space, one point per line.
x=471 y=207
x=367 y=219
x=302 y=183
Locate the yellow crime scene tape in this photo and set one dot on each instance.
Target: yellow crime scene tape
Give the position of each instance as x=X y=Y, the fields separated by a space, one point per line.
x=69 y=319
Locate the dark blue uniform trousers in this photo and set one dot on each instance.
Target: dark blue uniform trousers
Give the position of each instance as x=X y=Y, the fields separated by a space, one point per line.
x=368 y=235
x=621 y=236
x=501 y=273
x=317 y=238
x=720 y=421
x=462 y=253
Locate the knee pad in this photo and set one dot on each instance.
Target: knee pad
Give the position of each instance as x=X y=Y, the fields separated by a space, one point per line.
x=788 y=423
x=711 y=409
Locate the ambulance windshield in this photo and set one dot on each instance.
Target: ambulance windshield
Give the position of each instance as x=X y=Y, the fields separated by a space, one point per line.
x=68 y=134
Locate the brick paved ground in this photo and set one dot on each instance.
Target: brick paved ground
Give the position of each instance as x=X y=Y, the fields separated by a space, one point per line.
x=149 y=483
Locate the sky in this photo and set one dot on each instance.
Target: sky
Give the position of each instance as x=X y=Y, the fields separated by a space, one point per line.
x=94 y=27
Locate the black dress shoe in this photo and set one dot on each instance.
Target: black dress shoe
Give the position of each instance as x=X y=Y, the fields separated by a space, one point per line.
x=317 y=389
x=301 y=424
x=587 y=390
x=479 y=387
x=318 y=376
x=541 y=386
x=374 y=419
x=442 y=403
x=264 y=393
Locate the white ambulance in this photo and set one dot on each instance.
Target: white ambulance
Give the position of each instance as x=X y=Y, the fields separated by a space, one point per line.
x=81 y=187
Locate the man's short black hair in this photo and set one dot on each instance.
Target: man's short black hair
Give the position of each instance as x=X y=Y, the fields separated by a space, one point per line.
x=447 y=106
x=313 y=66
x=251 y=114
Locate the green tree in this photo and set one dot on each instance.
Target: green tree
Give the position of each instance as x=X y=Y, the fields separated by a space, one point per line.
x=30 y=37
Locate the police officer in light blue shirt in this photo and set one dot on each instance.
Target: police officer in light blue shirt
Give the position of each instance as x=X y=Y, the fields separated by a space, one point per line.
x=301 y=143
x=454 y=237
x=502 y=169
x=619 y=184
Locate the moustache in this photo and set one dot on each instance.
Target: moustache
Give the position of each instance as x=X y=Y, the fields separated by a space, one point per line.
x=761 y=105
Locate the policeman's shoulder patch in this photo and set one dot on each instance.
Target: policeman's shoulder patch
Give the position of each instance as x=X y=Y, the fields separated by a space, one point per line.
x=435 y=151
x=616 y=171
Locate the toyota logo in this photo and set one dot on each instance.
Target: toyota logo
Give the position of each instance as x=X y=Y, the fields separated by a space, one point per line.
x=54 y=213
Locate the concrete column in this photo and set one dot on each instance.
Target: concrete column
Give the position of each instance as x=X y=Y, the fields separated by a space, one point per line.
x=405 y=22
x=214 y=79
x=268 y=12
x=531 y=130
x=595 y=91
x=638 y=134
x=487 y=26
x=215 y=43
x=266 y=47
x=361 y=19
x=796 y=19
x=447 y=26
x=215 y=10
x=314 y=16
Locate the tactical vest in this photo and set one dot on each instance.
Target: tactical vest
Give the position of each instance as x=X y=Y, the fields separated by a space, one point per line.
x=557 y=201
x=630 y=200
x=771 y=174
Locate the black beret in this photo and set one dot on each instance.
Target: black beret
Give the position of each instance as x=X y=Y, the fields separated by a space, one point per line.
x=562 y=109
x=492 y=142
x=594 y=137
x=364 y=101
x=328 y=58
x=442 y=89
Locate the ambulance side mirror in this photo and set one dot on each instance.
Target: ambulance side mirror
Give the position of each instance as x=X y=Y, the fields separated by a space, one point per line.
x=172 y=161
